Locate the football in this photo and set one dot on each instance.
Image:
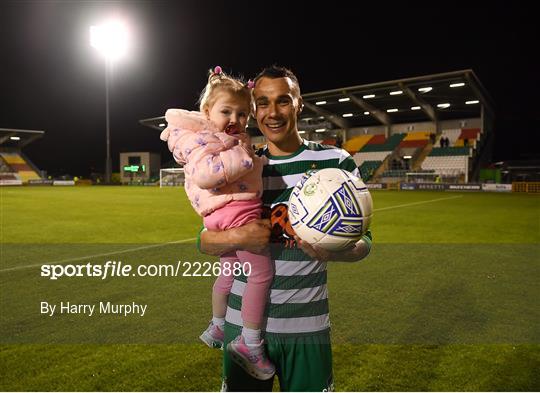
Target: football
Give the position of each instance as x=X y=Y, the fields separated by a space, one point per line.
x=331 y=208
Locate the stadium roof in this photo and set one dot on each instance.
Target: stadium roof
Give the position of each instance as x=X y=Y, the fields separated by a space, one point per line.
x=11 y=137
x=452 y=95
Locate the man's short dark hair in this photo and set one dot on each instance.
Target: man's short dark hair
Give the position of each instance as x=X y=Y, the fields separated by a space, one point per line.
x=274 y=72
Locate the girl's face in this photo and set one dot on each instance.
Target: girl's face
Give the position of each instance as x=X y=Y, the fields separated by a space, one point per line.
x=230 y=112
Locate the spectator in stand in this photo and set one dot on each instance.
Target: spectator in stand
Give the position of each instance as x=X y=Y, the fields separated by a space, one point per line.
x=465 y=142
x=441 y=142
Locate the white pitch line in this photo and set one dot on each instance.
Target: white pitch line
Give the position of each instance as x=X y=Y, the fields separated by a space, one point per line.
x=417 y=203
x=194 y=238
x=96 y=255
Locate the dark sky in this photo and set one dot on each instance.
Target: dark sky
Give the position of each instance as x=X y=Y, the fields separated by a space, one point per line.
x=51 y=79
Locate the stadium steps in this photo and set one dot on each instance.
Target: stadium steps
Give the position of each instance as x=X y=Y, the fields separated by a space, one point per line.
x=382 y=168
x=417 y=163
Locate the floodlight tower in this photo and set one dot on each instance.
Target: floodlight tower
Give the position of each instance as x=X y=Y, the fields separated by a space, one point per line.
x=111 y=40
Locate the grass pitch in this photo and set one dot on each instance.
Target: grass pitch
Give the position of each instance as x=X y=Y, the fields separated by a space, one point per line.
x=448 y=299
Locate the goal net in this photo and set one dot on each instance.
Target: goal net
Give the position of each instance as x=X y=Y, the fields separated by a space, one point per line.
x=170 y=177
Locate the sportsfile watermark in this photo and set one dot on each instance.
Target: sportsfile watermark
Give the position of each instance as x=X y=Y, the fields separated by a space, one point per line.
x=119 y=269
x=431 y=294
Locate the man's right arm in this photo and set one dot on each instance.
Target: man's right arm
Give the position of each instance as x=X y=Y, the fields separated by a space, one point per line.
x=253 y=237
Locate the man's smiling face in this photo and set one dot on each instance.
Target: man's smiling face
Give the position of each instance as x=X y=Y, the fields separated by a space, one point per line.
x=277 y=105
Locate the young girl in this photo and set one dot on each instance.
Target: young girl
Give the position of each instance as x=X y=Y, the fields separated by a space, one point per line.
x=223 y=180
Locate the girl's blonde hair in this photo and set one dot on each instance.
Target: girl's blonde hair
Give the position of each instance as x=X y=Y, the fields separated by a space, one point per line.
x=219 y=81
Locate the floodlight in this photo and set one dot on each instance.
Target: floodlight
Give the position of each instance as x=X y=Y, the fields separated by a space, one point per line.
x=110 y=38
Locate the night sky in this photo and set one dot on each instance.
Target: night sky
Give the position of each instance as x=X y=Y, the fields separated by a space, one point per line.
x=52 y=80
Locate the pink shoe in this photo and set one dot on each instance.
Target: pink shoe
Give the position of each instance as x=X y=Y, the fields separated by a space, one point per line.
x=251 y=358
x=213 y=336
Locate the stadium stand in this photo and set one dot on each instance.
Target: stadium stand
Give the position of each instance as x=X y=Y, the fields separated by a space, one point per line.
x=21 y=169
x=14 y=165
x=448 y=161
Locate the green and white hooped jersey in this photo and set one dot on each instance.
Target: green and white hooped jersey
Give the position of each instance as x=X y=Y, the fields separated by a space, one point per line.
x=299 y=297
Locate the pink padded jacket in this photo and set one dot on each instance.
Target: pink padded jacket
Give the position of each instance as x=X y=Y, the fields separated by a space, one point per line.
x=218 y=167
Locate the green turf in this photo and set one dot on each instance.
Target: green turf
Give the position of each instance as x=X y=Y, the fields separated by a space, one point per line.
x=448 y=300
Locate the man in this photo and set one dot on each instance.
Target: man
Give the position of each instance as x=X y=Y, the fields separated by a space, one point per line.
x=297 y=330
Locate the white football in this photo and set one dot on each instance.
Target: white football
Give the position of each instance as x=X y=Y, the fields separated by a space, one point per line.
x=331 y=208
